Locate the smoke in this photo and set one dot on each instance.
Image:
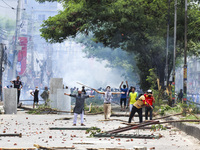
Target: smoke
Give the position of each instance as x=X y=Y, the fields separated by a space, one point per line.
x=71 y=64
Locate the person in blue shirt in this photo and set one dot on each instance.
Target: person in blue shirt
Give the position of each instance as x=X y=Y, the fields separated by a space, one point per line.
x=123 y=96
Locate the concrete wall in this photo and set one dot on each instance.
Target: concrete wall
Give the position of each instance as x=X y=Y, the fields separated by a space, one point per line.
x=55 y=84
x=63 y=101
x=10 y=100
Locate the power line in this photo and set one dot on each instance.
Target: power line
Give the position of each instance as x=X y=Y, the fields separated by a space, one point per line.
x=4 y=7
x=8 y=5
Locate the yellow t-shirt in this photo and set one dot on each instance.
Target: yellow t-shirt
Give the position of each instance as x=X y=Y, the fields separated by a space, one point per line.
x=133 y=97
x=140 y=102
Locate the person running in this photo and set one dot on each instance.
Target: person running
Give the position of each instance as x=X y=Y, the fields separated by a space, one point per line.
x=123 y=96
x=79 y=106
x=107 y=100
x=137 y=107
x=35 y=94
x=149 y=100
x=18 y=85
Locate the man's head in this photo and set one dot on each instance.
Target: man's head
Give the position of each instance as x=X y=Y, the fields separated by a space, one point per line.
x=46 y=88
x=79 y=92
x=36 y=87
x=83 y=87
x=149 y=93
x=133 y=89
x=18 y=77
x=124 y=86
x=108 y=88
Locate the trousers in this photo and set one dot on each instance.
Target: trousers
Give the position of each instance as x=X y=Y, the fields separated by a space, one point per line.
x=107 y=110
x=148 y=110
x=75 y=117
x=133 y=111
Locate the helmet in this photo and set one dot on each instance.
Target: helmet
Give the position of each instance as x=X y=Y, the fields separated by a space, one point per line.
x=149 y=91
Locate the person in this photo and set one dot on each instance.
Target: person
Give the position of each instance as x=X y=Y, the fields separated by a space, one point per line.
x=79 y=106
x=137 y=107
x=83 y=90
x=132 y=98
x=18 y=85
x=149 y=100
x=107 y=100
x=45 y=95
x=123 y=96
x=35 y=94
x=180 y=96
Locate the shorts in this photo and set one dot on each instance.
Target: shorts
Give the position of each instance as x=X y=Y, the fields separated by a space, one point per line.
x=130 y=107
x=123 y=100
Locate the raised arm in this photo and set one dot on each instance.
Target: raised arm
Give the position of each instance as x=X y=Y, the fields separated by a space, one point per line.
x=98 y=91
x=121 y=85
x=90 y=96
x=12 y=82
x=127 y=84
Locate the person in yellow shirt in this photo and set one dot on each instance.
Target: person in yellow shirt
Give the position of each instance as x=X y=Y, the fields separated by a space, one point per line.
x=132 y=98
x=137 y=107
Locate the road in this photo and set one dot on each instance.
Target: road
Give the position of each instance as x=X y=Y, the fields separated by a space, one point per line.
x=35 y=130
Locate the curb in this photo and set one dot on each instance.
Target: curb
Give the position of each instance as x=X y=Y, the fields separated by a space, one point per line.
x=188 y=129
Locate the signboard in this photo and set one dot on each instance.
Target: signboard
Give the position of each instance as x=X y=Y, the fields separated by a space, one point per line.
x=22 y=54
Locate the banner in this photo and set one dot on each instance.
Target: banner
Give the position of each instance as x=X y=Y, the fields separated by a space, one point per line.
x=22 y=54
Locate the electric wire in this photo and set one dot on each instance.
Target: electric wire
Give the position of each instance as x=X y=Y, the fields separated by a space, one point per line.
x=7 y=4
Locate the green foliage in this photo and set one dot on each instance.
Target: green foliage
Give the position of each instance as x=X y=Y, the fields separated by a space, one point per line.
x=158 y=127
x=7 y=24
x=42 y=109
x=136 y=26
x=94 y=108
x=93 y=131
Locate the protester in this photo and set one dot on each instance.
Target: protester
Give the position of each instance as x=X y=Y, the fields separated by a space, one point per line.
x=123 y=96
x=45 y=95
x=79 y=106
x=83 y=90
x=149 y=100
x=35 y=94
x=180 y=96
x=18 y=85
x=137 y=107
x=132 y=98
x=107 y=100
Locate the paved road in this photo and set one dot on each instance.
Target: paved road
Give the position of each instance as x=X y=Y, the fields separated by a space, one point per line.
x=35 y=130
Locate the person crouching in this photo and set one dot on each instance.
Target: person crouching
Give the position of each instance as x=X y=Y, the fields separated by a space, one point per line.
x=137 y=107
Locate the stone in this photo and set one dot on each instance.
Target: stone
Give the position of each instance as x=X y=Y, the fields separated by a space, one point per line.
x=10 y=100
x=55 y=83
x=63 y=101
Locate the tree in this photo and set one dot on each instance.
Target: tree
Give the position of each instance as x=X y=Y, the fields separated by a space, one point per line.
x=137 y=26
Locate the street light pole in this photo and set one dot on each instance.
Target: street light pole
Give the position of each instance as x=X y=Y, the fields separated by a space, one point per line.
x=15 y=54
x=185 y=58
x=167 y=48
x=174 y=58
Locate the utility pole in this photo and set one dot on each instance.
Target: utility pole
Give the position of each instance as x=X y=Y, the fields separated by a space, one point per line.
x=185 y=58
x=18 y=18
x=174 y=58
x=167 y=48
x=1 y=66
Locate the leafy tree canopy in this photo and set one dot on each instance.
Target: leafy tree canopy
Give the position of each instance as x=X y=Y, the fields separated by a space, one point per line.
x=137 y=26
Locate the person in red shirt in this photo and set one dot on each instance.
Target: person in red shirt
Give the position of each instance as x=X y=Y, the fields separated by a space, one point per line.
x=149 y=100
